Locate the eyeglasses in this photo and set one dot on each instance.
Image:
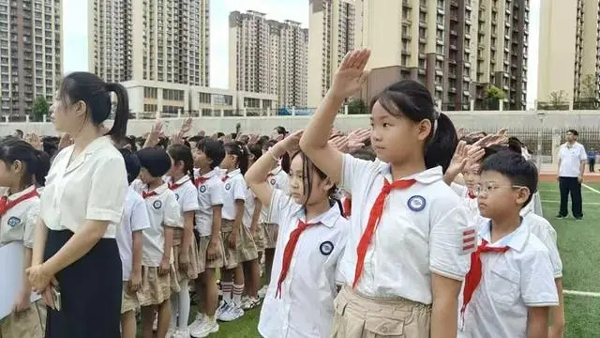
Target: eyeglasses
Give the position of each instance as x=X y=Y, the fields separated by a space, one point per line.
x=487 y=188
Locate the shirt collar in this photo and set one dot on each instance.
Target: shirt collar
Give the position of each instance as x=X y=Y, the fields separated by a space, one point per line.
x=515 y=240
x=182 y=180
x=425 y=177
x=328 y=219
x=20 y=193
x=276 y=171
x=160 y=189
x=233 y=173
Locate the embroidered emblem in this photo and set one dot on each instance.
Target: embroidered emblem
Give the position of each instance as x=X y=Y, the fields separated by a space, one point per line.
x=13 y=222
x=326 y=248
x=469 y=240
x=416 y=203
x=273 y=181
x=203 y=189
x=157 y=204
x=227 y=186
x=177 y=197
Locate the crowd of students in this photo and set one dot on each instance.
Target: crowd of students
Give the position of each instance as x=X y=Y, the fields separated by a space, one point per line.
x=405 y=229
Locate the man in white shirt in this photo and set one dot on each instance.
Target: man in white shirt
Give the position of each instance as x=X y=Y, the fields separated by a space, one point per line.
x=571 y=164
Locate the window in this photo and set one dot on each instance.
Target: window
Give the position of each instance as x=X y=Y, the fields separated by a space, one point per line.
x=150 y=93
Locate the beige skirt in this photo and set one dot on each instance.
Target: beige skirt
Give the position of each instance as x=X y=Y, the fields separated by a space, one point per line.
x=260 y=238
x=155 y=288
x=203 y=262
x=130 y=300
x=230 y=259
x=193 y=269
x=247 y=250
x=29 y=323
x=271 y=231
x=358 y=316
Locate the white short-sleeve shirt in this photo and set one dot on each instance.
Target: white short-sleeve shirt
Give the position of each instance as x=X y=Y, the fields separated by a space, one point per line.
x=185 y=193
x=543 y=230
x=570 y=159
x=135 y=218
x=210 y=194
x=512 y=282
x=249 y=206
x=420 y=232
x=277 y=179
x=305 y=308
x=163 y=211
x=18 y=222
x=234 y=189
x=92 y=187
x=470 y=203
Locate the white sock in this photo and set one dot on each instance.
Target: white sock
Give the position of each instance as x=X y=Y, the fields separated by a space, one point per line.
x=184 y=304
x=174 y=311
x=227 y=288
x=237 y=294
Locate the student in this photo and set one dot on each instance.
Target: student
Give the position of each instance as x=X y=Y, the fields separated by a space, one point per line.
x=509 y=288
x=130 y=241
x=232 y=282
x=405 y=246
x=80 y=209
x=299 y=300
x=207 y=156
x=19 y=208
x=159 y=278
x=362 y=154
x=185 y=248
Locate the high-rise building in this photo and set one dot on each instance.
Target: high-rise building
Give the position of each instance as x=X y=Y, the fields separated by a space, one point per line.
x=267 y=56
x=30 y=53
x=156 y=40
x=569 y=63
x=331 y=36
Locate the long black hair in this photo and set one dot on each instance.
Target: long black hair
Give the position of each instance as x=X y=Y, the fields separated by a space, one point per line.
x=35 y=162
x=239 y=150
x=95 y=93
x=181 y=153
x=411 y=99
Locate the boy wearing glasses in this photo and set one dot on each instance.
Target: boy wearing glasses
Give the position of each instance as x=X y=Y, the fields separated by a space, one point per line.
x=510 y=287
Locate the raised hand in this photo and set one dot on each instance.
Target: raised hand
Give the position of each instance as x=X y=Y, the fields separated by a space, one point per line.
x=357 y=138
x=34 y=140
x=186 y=126
x=340 y=143
x=351 y=74
x=155 y=134
x=291 y=143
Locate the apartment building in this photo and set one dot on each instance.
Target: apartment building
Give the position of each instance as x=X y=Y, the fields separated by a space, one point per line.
x=31 y=53
x=267 y=56
x=569 y=63
x=332 y=25
x=153 y=40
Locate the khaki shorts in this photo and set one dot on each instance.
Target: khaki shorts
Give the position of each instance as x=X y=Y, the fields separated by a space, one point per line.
x=130 y=301
x=230 y=259
x=203 y=262
x=155 y=288
x=358 y=316
x=193 y=269
x=29 y=323
x=260 y=238
x=271 y=231
x=247 y=250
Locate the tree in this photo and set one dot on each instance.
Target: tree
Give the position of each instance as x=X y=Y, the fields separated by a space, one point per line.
x=40 y=108
x=558 y=99
x=493 y=97
x=357 y=106
x=587 y=97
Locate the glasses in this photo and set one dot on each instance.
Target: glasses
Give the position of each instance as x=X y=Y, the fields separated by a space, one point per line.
x=487 y=188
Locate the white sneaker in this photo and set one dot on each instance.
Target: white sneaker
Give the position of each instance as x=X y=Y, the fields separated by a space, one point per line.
x=200 y=319
x=222 y=307
x=181 y=334
x=205 y=329
x=170 y=333
x=232 y=313
x=250 y=303
x=263 y=291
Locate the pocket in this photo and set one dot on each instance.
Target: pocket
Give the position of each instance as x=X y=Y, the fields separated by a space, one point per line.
x=504 y=286
x=383 y=327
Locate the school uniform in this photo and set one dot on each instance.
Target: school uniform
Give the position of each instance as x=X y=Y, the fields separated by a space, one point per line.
x=210 y=194
x=247 y=248
x=92 y=186
x=468 y=199
x=135 y=218
x=515 y=273
x=163 y=211
x=187 y=197
x=280 y=180
x=544 y=231
x=234 y=190
x=299 y=302
x=422 y=230
x=18 y=215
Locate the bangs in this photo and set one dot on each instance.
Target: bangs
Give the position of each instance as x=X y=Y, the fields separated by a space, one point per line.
x=398 y=104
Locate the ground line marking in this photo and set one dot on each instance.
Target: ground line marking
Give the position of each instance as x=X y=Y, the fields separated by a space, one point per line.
x=557 y=201
x=582 y=293
x=592 y=189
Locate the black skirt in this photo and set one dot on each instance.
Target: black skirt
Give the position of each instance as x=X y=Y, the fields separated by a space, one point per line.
x=90 y=291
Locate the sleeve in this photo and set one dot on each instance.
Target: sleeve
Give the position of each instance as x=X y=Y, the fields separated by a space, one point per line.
x=137 y=185
x=459 y=189
x=172 y=216
x=239 y=189
x=108 y=191
x=353 y=170
x=32 y=216
x=548 y=237
x=583 y=154
x=189 y=200
x=281 y=205
x=139 y=216
x=216 y=193
x=446 y=255
x=537 y=280
x=284 y=183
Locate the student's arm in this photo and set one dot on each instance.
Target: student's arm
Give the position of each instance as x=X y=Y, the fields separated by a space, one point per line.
x=257 y=174
x=237 y=222
x=171 y=220
x=165 y=264
x=256 y=216
x=39 y=242
x=537 y=322
x=557 y=328
x=135 y=281
x=23 y=300
x=215 y=235
x=314 y=143
x=444 y=315
x=186 y=241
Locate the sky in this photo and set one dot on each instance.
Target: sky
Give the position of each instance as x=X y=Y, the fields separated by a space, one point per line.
x=75 y=34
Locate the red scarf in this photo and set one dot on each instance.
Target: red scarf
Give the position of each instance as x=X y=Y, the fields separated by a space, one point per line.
x=347 y=206
x=200 y=180
x=6 y=205
x=146 y=194
x=288 y=253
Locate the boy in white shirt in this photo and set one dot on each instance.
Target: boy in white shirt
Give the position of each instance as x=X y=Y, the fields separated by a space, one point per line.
x=509 y=288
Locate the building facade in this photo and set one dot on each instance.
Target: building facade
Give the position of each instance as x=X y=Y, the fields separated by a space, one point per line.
x=31 y=53
x=155 y=40
x=267 y=56
x=569 y=66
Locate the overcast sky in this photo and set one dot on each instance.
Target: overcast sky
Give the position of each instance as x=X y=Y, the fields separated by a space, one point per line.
x=75 y=34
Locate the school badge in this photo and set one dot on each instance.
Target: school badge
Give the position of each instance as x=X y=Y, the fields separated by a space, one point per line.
x=177 y=197
x=326 y=248
x=203 y=189
x=273 y=181
x=227 y=186
x=13 y=222
x=417 y=203
x=469 y=240
x=157 y=204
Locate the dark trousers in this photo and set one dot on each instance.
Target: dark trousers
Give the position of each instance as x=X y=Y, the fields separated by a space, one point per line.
x=570 y=185
x=592 y=162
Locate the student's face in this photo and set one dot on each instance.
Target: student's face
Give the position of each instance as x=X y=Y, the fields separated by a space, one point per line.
x=472 y=176
x=67 y=117
x=145 y=176
x=229 y=162
x=319 y=187
x=176 y=167
x=10 y=174
x=396 y=138
x=200 y=158
x=497 y=195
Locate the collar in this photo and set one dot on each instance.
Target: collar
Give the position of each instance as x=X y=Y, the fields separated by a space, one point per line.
x=276 y=171
x=233 y=173
x=160 y=189
x=182 y=180
x=20 y=193
x=425 y=177
x=208 y=174
x=515 y=240
x=568 y=145
x=327 y=218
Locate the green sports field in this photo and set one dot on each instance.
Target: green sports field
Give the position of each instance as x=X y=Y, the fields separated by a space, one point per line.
x=579 y=246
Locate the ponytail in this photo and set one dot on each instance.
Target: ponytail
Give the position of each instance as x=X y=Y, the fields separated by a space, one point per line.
x=42 y=167
x=119 y=128
x=440 y=148
x=239 y=150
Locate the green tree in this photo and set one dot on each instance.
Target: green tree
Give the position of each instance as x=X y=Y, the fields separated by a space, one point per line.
x=493 y=97
x=357 y=106
x=40 y=108
x=558 y=99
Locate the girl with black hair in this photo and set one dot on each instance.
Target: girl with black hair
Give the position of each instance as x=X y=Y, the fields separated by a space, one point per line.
x=19 y=209
x=311 y=241
x=405 y=247
x=75 y=248
x=185 y=249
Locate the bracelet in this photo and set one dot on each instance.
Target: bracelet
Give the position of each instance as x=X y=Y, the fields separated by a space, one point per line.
x=273 y=156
